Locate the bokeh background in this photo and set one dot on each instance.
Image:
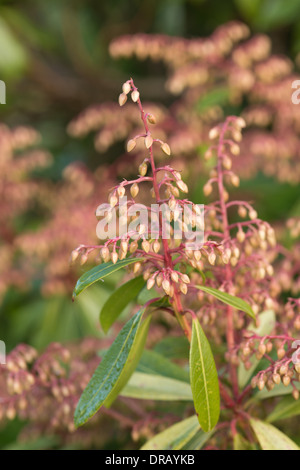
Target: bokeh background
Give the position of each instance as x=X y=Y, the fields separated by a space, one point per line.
x=62 y=136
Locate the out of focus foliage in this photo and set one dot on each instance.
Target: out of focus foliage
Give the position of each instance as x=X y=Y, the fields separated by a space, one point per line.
x=56 y=63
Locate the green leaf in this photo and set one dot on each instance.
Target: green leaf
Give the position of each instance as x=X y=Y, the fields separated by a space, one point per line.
x=120 y=298
x=173 y=347
x=156 y=387
x=286 y=408
x=99 y=272
x=198 y=440
x=270 y=438
x=228 y=299
x=175 y=437
x=154 y=363
x=204 y=379
x=216 y=97
x=266 y=324
x=114 y=370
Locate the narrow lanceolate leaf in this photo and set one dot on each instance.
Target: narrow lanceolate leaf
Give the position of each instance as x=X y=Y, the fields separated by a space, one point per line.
x=154 y=363
x=100 y=272
x=204 y=379
x=114 y=370
x=175 y=437
x=270 y=438
x=116 y=303
x=156 y=387
x=228 y=299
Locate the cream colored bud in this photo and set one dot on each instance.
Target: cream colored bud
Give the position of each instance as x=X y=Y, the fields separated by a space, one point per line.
x=276 y=378
x=213 y=133
x=283 y=369
x=159 y=279
x=183 y=288
x=237 y=136
x=131 y=144
x=295 y=394
x=227 y=163
x=240 y=122
x=280 y=353
x=114 y=257
x=151 y=118
x=126 y=88
x=122 y=99
x=242 y=211
x=240 y=235
x=146 y=246
x=185 y=278
x=260 y=384
x=136 y=267
x=207 y=189
x=197 y=255
x=166 y=148
x=148 y=141
x=143 y=168
x=166 y=286
x=134 y=190
x=174 y=276
x=235 y=180
x=156 y=246
x=174 y=191
x=150 y=283
x=113 y=200
x=235 y=149
x=212 y=258
x=252 y=214
x=135 y=96
x=124 y=246
x=182 y=186
x=121 y=191
x=133 y=247
x=262 y=349
x=142 y=229
x=286 y=380
x=74 y=256
x=269 y=303
x=83 y=259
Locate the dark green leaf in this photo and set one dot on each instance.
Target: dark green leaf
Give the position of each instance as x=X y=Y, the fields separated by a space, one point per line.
x=114 y=370
x=120 y=298
x=228 y=299
x=99 y=272
x=204 y=379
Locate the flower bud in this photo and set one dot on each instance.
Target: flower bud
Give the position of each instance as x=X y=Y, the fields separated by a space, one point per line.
x=240 y=235
x=213 y=133
x=276 y=378
x=227 y=163
x=114 y=257
x=166 y=149
x=133 y=246
x=122 y=99
x=134 y=190
x=207 y=189
x=183 y=288
x=150 y=283
x=151 y=118
x=121 y=191
x=148 y=141
x=182 y=186
x=166 y=286
x=131 y=144
x=286 y=380
x=135 y=96
x=252 y=214
x=295 y=394
x=156 y=246
x=235 y=180
x=242 y=211
x=185 y=278
x=174 y=276
x=143 y=169
x=146 y=246
x=126 y=88
x=136 y=267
